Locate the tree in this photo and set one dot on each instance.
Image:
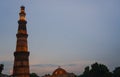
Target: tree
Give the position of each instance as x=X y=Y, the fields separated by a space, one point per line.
x=97 y=70
x=116 y=72
x=1 y=68
x=33 y=75
x=86 y=72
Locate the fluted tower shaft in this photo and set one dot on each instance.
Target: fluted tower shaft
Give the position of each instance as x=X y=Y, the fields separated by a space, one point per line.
x=21 y=55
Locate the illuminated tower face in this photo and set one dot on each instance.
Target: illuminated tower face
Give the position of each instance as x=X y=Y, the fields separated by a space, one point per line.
x=21 y=55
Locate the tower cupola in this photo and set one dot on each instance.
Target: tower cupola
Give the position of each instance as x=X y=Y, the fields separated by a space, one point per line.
x=22 y=13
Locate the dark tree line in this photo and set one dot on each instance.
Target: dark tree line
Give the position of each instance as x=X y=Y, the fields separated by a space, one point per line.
x=100 y=70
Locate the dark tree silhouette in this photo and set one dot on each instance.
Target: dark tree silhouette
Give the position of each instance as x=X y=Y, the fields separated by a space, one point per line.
x=116 y=72
x=1 y=68
x=33 y=75
x=86 y=72
x=97 y=70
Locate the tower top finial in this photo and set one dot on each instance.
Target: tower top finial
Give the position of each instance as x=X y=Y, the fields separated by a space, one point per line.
x=22 y=13
x=22 y=7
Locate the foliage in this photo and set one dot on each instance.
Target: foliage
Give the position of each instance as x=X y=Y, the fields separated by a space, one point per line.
x=33 y=75
x=116 y=72
x=1 y=68
x=97 y=70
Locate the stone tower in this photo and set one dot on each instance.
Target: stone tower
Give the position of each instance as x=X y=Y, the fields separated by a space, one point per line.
x=21 y=55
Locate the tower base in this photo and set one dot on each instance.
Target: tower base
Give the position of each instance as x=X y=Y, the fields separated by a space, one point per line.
x=21 y=64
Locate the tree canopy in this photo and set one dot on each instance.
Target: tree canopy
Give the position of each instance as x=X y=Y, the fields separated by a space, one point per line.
x=33 y=75
x=97 y=70
x=116 y=72
x=1 y=68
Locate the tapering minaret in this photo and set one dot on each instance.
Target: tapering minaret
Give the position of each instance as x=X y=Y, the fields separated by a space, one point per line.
x=21 y=55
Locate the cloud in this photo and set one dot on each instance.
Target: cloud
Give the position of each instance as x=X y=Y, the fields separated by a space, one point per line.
x=44 y=65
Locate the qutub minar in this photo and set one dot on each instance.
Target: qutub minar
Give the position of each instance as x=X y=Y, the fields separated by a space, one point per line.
x=21 y=55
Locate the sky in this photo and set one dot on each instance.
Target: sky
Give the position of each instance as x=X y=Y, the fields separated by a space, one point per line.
x=72 y=34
